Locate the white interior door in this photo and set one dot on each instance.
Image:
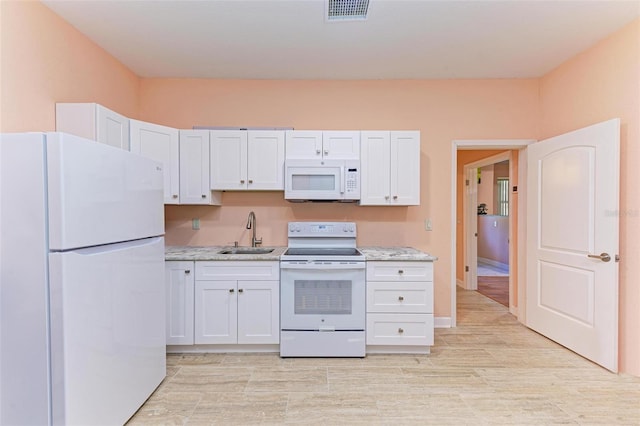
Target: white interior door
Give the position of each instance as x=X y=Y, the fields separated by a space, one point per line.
x=573 y=194
x=471 y=235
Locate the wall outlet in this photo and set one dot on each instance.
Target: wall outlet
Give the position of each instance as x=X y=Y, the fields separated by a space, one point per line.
x=195 y=223
x=428 y=226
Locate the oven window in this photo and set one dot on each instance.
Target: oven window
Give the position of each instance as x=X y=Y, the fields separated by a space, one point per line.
x=313 y=182
x=322 y=297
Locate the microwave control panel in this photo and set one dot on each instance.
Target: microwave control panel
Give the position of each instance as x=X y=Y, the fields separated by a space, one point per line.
x=351 y=181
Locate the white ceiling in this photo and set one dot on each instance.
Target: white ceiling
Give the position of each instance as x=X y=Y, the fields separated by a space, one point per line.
x=291 y=39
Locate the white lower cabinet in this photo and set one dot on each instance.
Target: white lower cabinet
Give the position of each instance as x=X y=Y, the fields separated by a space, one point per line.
x=179 y=285
x=237 y=302
x=399 y=306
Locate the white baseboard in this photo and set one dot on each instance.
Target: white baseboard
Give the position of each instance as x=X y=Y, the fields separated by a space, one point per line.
x=494 y=263
x=442 y=322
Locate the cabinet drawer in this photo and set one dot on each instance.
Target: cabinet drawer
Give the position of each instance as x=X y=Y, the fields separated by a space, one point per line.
x=400 y=329
x=405 y=297
x=238 y=270
x=399 y=271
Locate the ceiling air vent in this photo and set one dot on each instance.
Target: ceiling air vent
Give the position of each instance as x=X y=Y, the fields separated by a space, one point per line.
x=344 y=10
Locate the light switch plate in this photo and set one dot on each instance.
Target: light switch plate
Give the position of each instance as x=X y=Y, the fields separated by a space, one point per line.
x=195 y=223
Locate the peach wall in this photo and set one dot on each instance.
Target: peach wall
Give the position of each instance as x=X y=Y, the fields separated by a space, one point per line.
x=45 y=60
x=442 y=110
x=597 y=85
x=493 y=238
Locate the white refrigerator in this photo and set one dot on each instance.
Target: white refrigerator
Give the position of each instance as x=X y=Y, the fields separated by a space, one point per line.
x=82 y=299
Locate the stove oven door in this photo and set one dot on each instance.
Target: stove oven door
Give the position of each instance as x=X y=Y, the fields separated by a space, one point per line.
x=322 y=296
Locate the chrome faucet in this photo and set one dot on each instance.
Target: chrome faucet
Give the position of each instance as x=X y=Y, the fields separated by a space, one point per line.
x=251 y=224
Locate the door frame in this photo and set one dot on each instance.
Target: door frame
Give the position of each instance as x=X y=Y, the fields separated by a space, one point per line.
x=485 y=144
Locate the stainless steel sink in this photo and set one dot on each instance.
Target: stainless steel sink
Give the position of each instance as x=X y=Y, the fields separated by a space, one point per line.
x=246 y=250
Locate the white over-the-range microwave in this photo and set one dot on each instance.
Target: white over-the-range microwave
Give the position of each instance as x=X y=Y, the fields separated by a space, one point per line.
x=322 y=180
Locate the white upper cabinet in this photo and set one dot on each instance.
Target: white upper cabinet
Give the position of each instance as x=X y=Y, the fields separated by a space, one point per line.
x=265 y=160
x=305 y=144
x=390 y=168
x=194 y=169
x=159 y=143
x=405 y=168
x=342 y=145
x=93 y=121
x=247 y=160
x=312 y=144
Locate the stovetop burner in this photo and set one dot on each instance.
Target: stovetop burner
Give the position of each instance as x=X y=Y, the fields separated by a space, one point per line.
x=322 y=241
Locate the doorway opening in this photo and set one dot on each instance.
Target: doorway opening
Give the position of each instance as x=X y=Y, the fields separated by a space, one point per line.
x=486 y=199
x=463 y=249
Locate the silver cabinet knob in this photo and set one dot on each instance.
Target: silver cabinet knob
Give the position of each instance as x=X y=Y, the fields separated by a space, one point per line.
x=231 y=290
x=400 y=331
x=241 y=180
x=326 y=151
x=318 y=151
x=240 y=290
x=395 y=197
x=400 y=271
x=386 y=197
x=250 y=180
x=204 y=196
x=174 y=196
x=400 y=298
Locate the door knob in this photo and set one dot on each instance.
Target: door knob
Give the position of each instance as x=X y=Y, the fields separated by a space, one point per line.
x=602 y=256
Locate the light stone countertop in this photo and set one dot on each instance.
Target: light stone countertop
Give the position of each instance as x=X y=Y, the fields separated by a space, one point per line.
x=399 y=254
x=213 y=253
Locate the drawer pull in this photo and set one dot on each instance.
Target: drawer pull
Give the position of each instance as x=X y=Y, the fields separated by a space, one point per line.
x=231 y=290
x=187 y=271
x=400 y=298
x=400 y=271
x=240 y=290
x=400 y=331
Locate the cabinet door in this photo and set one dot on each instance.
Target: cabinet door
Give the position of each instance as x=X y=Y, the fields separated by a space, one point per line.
x=303 y=144
x=159 y=143
x=93 y=121
x=375 y=171
x=180 y=298
x=112 y=128
x=216 y=312
x=228 y=160
x=194 y=167
x=265 y=161
x=341 y=145
x=258 y=312
x=405 y=168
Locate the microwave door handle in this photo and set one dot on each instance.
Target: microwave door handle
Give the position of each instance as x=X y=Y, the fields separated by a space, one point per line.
x=342 y=179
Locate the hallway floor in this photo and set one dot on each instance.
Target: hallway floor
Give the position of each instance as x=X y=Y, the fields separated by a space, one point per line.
x=488 y=370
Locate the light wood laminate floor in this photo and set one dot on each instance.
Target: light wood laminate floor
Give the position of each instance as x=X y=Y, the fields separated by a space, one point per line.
x=488 y=370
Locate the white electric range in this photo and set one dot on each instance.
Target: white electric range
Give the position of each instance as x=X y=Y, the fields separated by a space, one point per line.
x=322 y=292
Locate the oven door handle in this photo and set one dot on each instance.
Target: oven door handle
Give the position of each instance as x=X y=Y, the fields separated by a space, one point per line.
x=323 y=266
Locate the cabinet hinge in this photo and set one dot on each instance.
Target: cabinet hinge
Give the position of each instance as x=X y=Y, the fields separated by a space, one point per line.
x=466 y=182
x=466 y=269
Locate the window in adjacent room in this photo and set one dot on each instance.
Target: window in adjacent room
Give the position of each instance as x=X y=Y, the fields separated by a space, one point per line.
x=503 y=196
